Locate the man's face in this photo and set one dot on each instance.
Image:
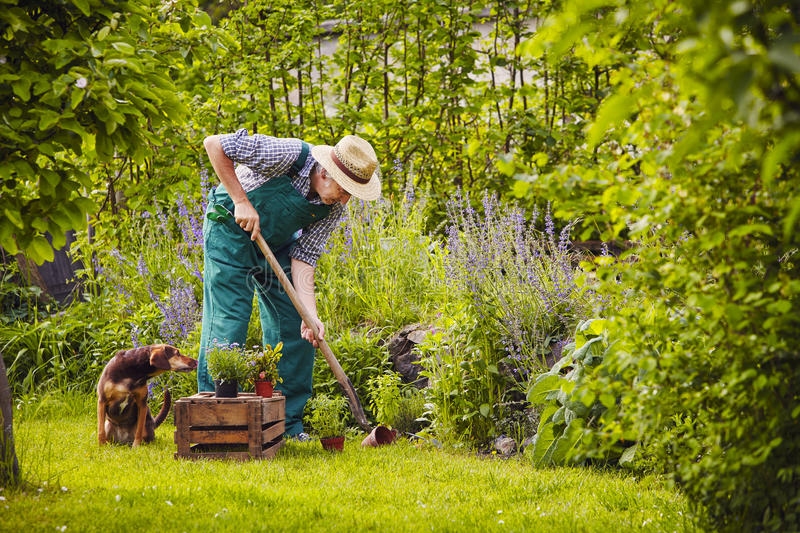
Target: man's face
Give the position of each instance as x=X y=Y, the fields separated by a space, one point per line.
x=329 y=191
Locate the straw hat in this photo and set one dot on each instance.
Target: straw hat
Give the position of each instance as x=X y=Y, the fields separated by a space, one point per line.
x=352 y=163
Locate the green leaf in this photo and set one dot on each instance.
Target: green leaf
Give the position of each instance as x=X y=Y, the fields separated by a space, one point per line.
x=76 y=97
x=124 y=48
x=47 y=119
x=542 y=445
x=781 y=307
x=40 y=250
x=749 y=229
x=543 y=387
x=565 y=446
x=83 y=5
x=13 y=216
x=613 y=110
x=104 y=146
x=7 y=240
x=22 y=88
x=628 y=455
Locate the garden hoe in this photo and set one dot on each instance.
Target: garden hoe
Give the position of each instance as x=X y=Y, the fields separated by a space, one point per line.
x=344 y=381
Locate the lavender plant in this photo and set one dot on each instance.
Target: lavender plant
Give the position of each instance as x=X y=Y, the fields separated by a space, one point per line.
x=515 y=293
x=150 y=265
x=522 y=283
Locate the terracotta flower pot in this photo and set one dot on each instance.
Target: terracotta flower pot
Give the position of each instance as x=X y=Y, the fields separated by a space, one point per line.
x=380 y=435
x=226 y=389
x=333 y=443
x=264 y=388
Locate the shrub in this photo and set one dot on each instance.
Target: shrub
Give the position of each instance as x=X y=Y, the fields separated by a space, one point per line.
x=394 y=404
x=571 y=409
x=327 y=417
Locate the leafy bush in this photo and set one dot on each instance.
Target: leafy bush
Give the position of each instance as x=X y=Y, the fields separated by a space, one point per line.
x=396 y=405
x=380 y=270
x=328 y=415
x=516 y=294
x=465 y=387
x=570 y=408
x=707 y=183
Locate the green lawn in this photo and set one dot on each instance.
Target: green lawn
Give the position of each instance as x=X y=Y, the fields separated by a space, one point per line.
x=73 y=485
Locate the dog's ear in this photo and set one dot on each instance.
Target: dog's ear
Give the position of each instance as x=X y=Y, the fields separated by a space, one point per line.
x=160 y=356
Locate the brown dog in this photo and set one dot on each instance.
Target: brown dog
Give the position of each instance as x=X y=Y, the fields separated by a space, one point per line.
x=123 y=415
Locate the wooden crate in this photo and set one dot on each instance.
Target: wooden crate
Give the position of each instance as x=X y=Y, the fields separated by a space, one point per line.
x=246 y=427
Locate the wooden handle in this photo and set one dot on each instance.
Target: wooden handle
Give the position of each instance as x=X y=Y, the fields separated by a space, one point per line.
x=341 y=377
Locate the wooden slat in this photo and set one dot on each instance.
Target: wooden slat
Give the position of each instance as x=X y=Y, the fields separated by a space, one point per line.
x=215 y=436
x=273 y=431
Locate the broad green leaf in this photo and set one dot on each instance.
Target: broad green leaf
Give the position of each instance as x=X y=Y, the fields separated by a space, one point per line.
x=7 y=240
x=22 y=88
x=47 y=119
x=613 y=111
x=749 y=229
x=14 y=216
x=76 y=97
x=628 y=455
x=83 y=5
x=39 y=250
x=124 y=48
x=541 y=448
x=781 y=307
x=543 y=386
x=565 y=446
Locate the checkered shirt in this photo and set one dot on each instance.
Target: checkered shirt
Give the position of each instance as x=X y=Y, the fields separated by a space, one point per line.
x=260 y=158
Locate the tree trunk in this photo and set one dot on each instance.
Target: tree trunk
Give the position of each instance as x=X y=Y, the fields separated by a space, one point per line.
x=9 y=467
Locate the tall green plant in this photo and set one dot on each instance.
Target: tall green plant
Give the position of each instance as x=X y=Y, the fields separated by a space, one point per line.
x=381 y=270
x=571 y=409
x=705 y=372
x=465 y=386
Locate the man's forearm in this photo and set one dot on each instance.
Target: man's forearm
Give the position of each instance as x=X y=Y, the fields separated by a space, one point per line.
x=224 y=168
x=303 y=281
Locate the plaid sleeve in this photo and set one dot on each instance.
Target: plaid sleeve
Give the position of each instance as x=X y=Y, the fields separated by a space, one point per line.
x=264 y=155
x=311 y=244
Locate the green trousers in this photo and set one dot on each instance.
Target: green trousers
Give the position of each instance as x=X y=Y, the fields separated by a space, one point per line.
x=235 y=269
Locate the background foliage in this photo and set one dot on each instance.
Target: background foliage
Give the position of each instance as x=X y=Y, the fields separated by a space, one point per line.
x=667 y=129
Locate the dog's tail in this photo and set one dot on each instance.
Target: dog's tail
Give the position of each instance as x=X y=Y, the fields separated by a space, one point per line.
x=162 y=414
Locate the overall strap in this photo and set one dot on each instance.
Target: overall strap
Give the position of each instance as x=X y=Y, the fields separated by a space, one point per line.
x=297 y=166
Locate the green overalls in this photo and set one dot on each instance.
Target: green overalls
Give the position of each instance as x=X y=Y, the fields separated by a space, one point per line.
x=235 y=267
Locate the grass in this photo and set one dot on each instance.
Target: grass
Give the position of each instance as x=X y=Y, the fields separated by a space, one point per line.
x=74 y=485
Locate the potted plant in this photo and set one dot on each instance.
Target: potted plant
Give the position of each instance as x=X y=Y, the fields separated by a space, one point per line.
x=262 y=365
x=227 y=367
x=327 y=419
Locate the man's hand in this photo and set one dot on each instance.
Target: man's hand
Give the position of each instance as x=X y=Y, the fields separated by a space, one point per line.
x=246 y=217
x=308 y=334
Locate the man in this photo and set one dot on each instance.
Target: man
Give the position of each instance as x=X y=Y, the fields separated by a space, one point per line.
x=294 y=196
